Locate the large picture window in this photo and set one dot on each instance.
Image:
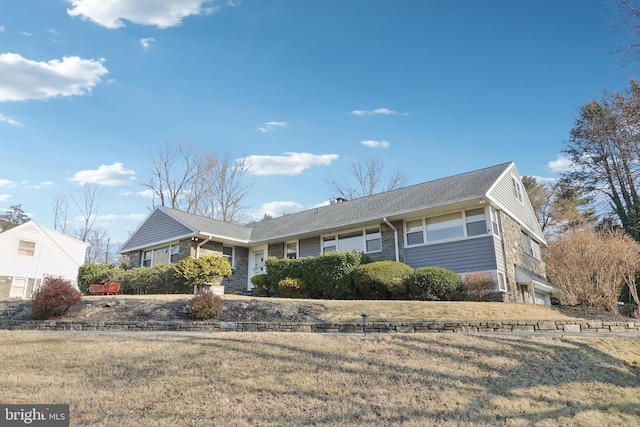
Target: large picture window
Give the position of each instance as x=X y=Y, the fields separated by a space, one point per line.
x=367 y=241
x=445 y=227
x=456 y=225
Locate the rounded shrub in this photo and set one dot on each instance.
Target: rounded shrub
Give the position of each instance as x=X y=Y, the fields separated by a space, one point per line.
x=261 y=285
x=198 y=271
x=54 y=298
x=88 y=274
x=381 y=279
x=434 y=284
x=292 y=288
x=205 y=305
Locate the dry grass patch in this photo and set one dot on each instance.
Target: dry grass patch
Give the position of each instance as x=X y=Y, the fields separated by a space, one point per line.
x=280 y=379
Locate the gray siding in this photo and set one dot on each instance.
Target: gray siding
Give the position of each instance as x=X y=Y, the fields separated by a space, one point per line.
x=460 y=256
x=309 y=247
x=503 y=193
x=159 y=227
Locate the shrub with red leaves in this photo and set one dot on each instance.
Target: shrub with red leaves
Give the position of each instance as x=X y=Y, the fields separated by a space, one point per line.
x=54 y=298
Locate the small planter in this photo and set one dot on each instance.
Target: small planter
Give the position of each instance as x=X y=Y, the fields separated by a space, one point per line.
x=215 y=288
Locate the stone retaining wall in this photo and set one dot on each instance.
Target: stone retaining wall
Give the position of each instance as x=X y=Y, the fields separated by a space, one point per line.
x=320 y=327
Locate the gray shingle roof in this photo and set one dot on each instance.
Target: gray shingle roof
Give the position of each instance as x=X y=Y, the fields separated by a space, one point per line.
x=403 y=200
x=210 y=226
x=444 y=191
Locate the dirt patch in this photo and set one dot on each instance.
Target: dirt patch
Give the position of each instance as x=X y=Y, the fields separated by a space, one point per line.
x=588 y=313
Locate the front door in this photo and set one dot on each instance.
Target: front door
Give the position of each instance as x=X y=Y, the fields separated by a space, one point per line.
x=257 y=264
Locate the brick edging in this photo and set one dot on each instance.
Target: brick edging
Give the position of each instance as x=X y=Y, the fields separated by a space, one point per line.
x=320 y=327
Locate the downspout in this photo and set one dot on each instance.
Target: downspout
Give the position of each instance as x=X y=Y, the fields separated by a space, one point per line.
x=395 y=237
x=200 y=244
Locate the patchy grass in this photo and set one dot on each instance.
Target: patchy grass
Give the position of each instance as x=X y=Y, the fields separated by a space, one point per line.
x=399 y=311
x=246 y=379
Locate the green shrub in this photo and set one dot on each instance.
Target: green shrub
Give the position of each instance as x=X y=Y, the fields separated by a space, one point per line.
x=55 y=298
x=434 y=284
x=479 y=286
x=331 y=275
x=205 y=305
x=198 y=271
x=88 y=274
x=261 y=285
x=292 y=288
x=381 y=280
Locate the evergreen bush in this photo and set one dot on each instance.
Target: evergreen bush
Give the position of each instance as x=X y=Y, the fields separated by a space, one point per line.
x=381 y=280
x=434 y=284
x=292 y=288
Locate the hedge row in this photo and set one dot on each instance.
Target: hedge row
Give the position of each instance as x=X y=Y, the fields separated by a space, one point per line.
x=350 y=275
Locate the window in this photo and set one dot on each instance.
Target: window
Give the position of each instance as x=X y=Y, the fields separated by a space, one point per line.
x=329 y=244
x=502 y=281
x=517 y=190
x=175 y=251
x=146 y=258
x=160 y=256
x=445 y=227
x=369 y=240
x=228 y=252
x=476 y=222
x=26 y=248
x=291 y=250
x=494 y=222
x=373 y=240
x=530 y=246
x=415 y=234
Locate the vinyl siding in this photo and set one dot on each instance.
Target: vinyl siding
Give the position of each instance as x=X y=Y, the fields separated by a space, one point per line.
x=309 y=247
x=460 y=256
x=503 y=193
x=159 y=227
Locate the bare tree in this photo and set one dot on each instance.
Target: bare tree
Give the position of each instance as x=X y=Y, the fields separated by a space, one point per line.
x=177 y=176
x=60 y=207
x=207 y=184
x=366 y=176
x=88 y=204
x=225 y=187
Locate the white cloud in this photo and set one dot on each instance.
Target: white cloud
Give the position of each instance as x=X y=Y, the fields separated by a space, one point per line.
x=110 y=175
x=289 y=164
x=125 y=193
x=23 y=79
x=24 y=33
x=44 y=184
x=5 y=197
x=544 y=180
x=8 y=184
x=377 y=112
x=146 y=42
x=158 y=13
x=147 y=194
x=271 y=126
x=9 y=121
x=280 y=208
x=561 y=164
x=2 y=28
x=375 y=144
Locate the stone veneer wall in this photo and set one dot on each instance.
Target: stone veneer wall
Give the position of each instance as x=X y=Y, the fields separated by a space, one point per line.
x=324 y=327
x=514 y=255
x=276 y=250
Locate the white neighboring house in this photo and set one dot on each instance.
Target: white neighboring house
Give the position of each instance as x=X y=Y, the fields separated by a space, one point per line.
x=30 y=251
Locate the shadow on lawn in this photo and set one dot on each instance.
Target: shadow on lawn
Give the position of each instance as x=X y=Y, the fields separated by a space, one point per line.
x=484 y=380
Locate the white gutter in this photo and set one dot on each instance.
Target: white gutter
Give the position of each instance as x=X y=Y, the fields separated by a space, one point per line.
x=200 y=244
x=395 y=237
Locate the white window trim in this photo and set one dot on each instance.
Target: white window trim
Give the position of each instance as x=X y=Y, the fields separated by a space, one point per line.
x=504 y=280
x=286 y=246
x=465 y=236
x=518 y=190
x=336 y=240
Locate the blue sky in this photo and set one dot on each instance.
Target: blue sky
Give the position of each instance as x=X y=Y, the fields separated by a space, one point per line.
x=90 y=90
